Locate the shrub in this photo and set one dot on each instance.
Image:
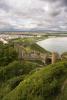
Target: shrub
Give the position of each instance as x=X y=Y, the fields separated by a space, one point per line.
x=15 y=69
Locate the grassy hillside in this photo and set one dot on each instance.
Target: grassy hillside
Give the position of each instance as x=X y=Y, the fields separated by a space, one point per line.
x=44 y=84
x=12 y=74
x=30 y=44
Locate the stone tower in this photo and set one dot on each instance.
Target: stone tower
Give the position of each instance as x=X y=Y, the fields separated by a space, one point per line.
x=55 y=56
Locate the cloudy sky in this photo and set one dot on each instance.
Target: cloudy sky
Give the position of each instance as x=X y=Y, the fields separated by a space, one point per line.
x=33 y=14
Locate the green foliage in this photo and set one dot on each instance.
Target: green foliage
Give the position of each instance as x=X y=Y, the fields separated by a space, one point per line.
x=16 y=68
x=63 y=94
x=12 y=74
x=7 y=54
x=44 y=84
x=9 y=85
x=34 y=46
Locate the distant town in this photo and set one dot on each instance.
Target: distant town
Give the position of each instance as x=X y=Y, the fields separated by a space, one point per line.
x=20 y=34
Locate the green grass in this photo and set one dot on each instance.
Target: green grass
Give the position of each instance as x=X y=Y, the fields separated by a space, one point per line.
x=12 y=74
x=30 y=44
x=44 y=84
x=63 y=94
x=16 y=68
x=10 y=84
x=34 y=46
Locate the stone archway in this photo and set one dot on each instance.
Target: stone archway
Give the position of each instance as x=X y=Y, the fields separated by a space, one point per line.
x=48 y=61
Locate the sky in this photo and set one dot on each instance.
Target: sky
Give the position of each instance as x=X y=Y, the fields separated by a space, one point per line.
x=33 y=14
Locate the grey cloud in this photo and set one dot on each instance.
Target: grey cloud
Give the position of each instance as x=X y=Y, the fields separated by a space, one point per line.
x=64 y=2
x=54 y=17
x=50 y=0
x=56 y=12
x=37 y=11
x=4 y=6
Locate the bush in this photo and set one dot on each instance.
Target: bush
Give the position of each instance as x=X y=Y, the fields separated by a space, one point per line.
x=7 y=54
x=12 y=74
x=15 y=69
x=9 y=85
